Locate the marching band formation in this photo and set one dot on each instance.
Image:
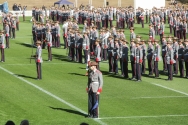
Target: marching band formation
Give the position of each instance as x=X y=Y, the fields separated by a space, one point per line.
x=101 y=39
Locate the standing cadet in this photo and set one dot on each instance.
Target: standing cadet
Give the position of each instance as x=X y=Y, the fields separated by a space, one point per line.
x=94 y=88
x=7 y=35
x=143 y=46
x=138 y=61
x=125 y=51
x=132 y=34
x=116 y=55
x=161 y=30
x=150 y=52
x=186 y=57
x=175 y=47
x=2 y=46
x=181 y=57
x=156 y=57
x=97 y=53
x=13 y=27
x=184 y=29
x=170 y=60
x=110 y=53
x=39 y=60
x=17 y=21
x=85 y=46
x=133 y=58
x=49 y=42
x=164 y=48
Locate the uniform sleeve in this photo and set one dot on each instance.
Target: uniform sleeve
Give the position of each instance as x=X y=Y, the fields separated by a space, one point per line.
x=100 y=82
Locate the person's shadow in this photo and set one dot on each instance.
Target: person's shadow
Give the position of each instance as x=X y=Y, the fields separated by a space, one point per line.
x=24 y=76
x=69 y=111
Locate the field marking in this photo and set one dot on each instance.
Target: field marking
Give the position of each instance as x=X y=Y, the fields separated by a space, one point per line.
x=52 y=95
x=159 y=97
x=35 y=64
x=184 y=93
x=137 y=117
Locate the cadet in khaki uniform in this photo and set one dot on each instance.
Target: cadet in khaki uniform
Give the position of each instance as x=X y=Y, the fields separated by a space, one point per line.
x=39 y=60
x=94 y=88
x=156 y=57
x=170 y=60
x=2 y=46
x=186 y=57
x=180 y=57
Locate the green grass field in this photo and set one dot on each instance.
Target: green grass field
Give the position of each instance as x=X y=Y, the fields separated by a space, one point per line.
x=60 y=97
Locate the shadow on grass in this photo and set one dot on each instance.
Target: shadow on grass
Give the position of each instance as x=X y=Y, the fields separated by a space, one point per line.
x=77 y=74
x=62 y=58
x=69 y=111
x=26 y=45
x=24 y=76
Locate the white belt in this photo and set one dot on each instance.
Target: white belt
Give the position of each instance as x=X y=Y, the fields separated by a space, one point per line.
x=95 y=82
x=137 y=56
x=84 y=44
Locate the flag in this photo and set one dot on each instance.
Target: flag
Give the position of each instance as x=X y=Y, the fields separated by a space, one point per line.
x=95 y=106
x=5 y=7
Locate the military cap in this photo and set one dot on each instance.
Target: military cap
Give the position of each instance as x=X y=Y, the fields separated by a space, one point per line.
x=164 y=37
x=180 y=40
x=124 y=40
x=186 y=40
x=175 y=38
x=133 y=40
x=142 y=40
x=169 y=42
x=93 y=64
x=110 y=36
x=137 y=42
x=151 y=25
x=156 y=40
x=38 y=42
x=121 y=30
x=132 y=28
x=97 y=40
x=138 y=36
x=116 y=39
x=149 y=40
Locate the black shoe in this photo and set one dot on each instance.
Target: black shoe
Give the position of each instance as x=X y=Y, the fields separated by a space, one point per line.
x=95 y=117
x=89 y=116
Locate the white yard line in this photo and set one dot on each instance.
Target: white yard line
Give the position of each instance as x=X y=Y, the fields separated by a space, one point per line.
x=50 y=94
x=159 y=97
x=184 y=93
x=46 y=63
x=138 y=117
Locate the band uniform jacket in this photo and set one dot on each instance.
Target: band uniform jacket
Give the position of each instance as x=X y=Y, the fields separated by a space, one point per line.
x=150 y=51
x=110 y=48
x=132 y=36
x=95 y=81
x=98 y=53
x=125 y=51
x=175 y=47
x=138 y=54
x=157 y=51
x=116 y=51
x=144 y=48
x=49 y=38
x=152 y=33
x=120 y=50
x=164 y=48
x=170 y=56
x=85 y=43
x=2 y=41
x=181 y=53
x=7 y=30
x=39 y=54
x=161 y=28
x=132 y=52
x=186 y=53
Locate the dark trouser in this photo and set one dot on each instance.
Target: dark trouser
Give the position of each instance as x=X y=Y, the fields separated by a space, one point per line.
x=170 y=75
x=164 y=63
x=181 y=68
x=171 y=27
x=156 y=70
x=65 y=42
x=142 y=22
x=92 y=99
x=115 y=65
x=146 y=18
x=39 y=75
x=184 y=34
x=131 y=24
x=133 y=68
x=110 y=23
x=120 y=62
x=104 y=54
x=72 y=53
x=17 y=26
x=10 y=31
x=161 y=36
x=138 y=71
x=79 y=55
x=7 y=41
x=111 y=64
x=23 y=17
x=98 y=66
x=175 y=32
x=85 y=56
x=57 y=41
x=2 y=55
x=175 y=66
x=186 y=68
x=53 y=39
x=49 y=53
x=103 y=23
x=125 y=69
x=150 y=67
x=143 y=66
x=34 y=36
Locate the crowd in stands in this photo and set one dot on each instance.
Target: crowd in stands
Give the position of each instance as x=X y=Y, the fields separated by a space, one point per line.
x=16 y=7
